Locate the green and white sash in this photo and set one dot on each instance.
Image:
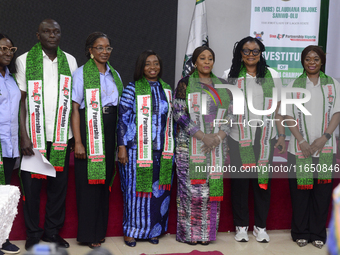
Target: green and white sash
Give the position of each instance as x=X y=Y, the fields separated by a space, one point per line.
x=217 y=162
x=197 y=160
x=169 y=144
x=96 y=166
x=303 y=165
x=144 y=169
x=245 y=134
x=36 y=110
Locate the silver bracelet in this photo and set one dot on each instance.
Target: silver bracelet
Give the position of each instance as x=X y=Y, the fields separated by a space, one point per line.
x=203 y=137
x=302 y=141
x=219 y=138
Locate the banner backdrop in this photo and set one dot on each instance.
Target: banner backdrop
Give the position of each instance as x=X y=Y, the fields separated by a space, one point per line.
x=285 y=28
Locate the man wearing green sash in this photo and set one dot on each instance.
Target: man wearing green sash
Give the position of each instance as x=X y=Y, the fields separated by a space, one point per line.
x=45 y=79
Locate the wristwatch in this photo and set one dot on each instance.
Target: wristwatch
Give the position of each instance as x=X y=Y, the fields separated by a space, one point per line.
x=328 y=136
x=284 y=136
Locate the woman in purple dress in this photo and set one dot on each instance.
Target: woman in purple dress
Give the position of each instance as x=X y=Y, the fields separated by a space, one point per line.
x=200 y=149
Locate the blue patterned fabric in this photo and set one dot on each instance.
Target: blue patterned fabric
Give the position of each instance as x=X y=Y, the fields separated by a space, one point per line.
x=143 y=218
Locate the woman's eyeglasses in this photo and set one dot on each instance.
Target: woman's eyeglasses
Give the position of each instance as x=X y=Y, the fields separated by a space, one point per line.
x=101 y=49
x=254 y=51
x=6 y=49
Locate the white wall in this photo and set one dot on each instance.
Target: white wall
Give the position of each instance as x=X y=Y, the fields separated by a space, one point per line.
x=228 y=22
x=333 y=38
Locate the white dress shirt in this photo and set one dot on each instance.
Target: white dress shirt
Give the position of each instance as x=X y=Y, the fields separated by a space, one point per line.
x=50 y=69
x=257 y=96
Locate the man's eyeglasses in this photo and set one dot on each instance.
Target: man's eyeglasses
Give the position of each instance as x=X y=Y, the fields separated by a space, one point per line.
x=6 y=49
x=254 y=51
x=101 y=49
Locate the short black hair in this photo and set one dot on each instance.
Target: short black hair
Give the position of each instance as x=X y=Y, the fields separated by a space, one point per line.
x=11 y=67
x=90 y=41
x=140 y=64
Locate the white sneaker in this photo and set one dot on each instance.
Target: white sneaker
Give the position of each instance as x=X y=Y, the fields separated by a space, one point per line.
x=261 y=235
x=241 y=234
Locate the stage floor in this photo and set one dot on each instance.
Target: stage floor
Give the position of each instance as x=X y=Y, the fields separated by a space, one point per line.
x=281 y=243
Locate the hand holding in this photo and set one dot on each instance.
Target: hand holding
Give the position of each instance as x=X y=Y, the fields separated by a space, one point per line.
x=205 y=149
x=306 y=149
x=281 y=141
x=26 y=146
x=211 y=140
x=318 y=145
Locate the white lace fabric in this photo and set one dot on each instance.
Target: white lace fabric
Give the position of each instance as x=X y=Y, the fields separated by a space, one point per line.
x=9 y=199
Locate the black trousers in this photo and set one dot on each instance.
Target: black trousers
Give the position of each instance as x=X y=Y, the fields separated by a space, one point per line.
x=240 y=186
x=310 y=207
x=93 y=199
x=8 y=168
x=55 y=206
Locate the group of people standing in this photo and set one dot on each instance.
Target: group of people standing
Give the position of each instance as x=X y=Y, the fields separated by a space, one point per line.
x=152 y=127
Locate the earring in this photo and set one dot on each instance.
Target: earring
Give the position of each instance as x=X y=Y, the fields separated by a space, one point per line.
x=91 y=56
x=195 y=65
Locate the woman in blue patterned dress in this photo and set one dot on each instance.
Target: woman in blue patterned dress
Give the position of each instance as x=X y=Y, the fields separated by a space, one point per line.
x=145 y=153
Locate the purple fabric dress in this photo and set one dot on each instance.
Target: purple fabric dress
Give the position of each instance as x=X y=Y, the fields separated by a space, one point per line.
x=197 y=216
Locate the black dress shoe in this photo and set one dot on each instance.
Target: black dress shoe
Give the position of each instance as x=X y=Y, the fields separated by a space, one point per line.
x=131 y=243
x=154 y=240
x=30 y=242
x=55 y=239
x=192 y=243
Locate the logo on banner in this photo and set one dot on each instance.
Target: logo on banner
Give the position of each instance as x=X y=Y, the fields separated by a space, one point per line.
x=94 y=102
x=280 y=36
x=36 y=96
x=66 y=89
x=145 y=109
x=330 y=95
x=258 y=35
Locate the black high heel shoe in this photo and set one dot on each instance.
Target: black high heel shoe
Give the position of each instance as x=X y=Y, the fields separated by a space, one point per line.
x=130 y=243
x=154 y=240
